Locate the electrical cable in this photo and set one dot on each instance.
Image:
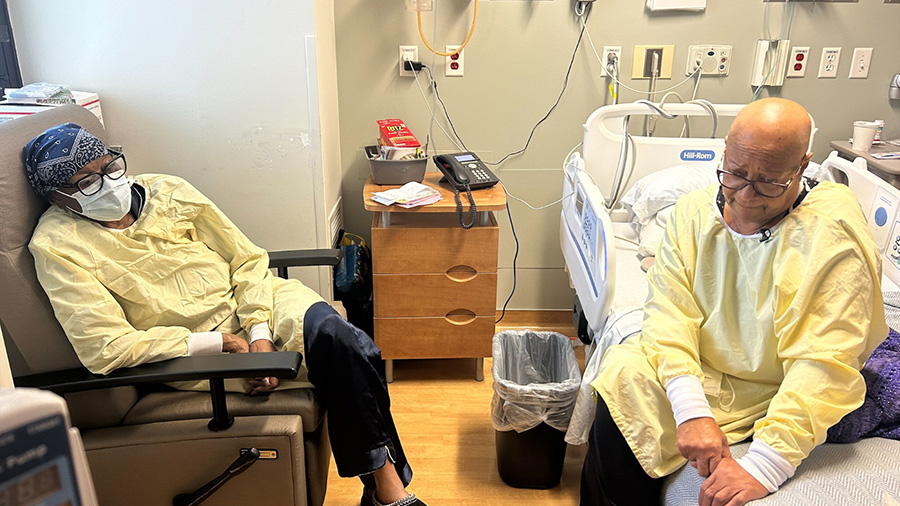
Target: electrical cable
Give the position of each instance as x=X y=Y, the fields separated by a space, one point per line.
x=565 y=85
x=620 y=83
x=614 y=88
x=625 y=179
x=697 y=84
x=705 y=104
x=686 y=129
x=583 y=8
x=464 y=148
x=619 y=237
x=662 y=102
x=433 y=58
x=513 y=228
x=430 y=110
x=515 y=257
x=443 y=106
x=460 y=48
x=545 y=206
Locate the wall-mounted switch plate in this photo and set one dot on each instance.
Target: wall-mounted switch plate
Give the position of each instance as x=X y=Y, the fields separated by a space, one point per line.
x=859 y=66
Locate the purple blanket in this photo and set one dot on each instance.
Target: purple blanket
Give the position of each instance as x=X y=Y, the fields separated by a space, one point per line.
x=879 y=416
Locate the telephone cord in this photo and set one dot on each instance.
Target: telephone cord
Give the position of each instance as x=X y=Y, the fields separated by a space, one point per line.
x=459 y=208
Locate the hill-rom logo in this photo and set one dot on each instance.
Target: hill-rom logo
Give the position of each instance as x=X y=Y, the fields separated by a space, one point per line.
x=697 y=155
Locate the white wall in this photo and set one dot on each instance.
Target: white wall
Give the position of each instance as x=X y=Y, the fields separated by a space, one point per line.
x=221 y=92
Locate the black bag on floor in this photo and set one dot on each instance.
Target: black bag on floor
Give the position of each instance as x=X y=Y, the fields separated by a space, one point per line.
x=353 y=282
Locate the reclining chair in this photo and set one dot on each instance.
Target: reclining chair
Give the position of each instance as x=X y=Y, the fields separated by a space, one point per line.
x=149 y=445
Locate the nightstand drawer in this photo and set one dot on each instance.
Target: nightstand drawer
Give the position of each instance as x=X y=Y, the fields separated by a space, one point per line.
x=431 y=244
x=435 y=294
x=401 y=338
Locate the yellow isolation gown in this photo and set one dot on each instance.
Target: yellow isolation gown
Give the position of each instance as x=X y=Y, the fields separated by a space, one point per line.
x=777 y=331
x=130 y=296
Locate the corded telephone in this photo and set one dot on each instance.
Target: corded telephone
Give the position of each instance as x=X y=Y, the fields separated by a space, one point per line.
x=465 y=171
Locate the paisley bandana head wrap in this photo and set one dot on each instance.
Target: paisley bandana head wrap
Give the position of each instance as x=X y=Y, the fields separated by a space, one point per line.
x=54 y=156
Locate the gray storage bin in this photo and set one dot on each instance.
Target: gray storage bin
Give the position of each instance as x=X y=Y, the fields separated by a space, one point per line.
x=395 y=172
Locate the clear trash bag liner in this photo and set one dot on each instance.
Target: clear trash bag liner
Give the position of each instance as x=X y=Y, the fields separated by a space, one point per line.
x=536 y=378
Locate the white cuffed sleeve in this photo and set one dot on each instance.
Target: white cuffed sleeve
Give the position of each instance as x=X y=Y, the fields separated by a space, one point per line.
x=204 y=343
x=260 y=331
x=688 y=401
x=765 y=464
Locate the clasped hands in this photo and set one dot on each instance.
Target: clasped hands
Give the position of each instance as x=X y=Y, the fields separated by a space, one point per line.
x=234 y=344
x=704 y=445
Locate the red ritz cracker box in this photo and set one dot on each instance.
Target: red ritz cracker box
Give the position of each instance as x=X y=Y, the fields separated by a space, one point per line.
x=393 y=132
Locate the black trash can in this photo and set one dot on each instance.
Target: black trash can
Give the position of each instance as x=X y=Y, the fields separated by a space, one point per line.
x=536 y=379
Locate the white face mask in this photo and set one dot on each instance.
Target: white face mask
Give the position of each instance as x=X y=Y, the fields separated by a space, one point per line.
x=111 y=203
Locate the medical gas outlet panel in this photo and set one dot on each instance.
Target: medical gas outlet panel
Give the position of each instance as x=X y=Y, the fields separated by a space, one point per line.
x=713 y=60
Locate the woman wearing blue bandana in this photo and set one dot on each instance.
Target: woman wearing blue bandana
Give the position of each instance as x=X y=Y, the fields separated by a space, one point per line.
x=146 y=269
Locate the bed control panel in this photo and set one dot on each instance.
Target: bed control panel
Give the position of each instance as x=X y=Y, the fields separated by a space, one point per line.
x=883 y=208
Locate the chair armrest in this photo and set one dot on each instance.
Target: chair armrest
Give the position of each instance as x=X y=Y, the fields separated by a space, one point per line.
x=283 y=364
x=301 y=258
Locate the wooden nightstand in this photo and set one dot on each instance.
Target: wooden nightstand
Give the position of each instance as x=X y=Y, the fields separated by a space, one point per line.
x=435 y=283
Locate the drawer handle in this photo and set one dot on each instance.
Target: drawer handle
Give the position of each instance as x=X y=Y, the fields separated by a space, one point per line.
x=461 y=273
x=460 y=317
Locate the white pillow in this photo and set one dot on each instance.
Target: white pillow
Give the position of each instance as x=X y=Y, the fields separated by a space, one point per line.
x=652 y=233
x=815 y=171
x=662 y=188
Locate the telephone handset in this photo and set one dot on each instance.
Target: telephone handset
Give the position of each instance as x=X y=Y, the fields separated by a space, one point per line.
x=465 y=171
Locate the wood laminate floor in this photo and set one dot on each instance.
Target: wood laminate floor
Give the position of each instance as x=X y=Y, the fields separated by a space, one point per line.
x=444 y=419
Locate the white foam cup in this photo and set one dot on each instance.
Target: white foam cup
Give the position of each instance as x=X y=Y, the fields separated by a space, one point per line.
x=863 y=134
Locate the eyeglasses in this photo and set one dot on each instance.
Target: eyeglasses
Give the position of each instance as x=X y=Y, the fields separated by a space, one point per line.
x=766 y=189
x=91 y=183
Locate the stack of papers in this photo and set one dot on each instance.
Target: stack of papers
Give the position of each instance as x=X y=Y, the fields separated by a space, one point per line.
x=409 y=195
x=39 y=93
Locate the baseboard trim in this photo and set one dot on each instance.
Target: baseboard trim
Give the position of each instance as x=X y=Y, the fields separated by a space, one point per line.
x=545 y=320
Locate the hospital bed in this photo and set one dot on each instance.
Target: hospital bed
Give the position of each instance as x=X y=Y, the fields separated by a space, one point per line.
x=616 y=197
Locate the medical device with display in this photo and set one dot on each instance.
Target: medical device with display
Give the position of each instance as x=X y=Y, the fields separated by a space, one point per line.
x=43 y=461
x=588 y=243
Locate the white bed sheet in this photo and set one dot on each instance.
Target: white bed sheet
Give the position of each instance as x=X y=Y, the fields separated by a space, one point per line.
x=631 y=281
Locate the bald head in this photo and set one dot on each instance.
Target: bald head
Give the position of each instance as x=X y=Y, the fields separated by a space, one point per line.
x=777 y=126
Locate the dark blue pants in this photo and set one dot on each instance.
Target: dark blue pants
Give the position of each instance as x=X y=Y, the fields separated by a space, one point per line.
x=612 y=475
x=347 y=371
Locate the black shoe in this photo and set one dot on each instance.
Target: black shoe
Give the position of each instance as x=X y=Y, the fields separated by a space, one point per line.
x=368 y=499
